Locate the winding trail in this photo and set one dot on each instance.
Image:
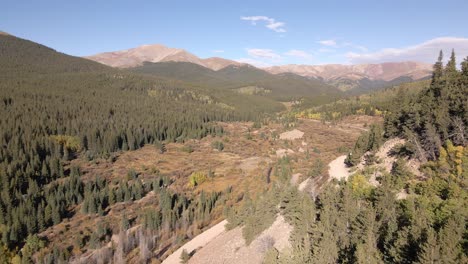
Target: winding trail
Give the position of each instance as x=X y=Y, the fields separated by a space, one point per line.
x=337 y=169
x=199 y=241
x=230 y=247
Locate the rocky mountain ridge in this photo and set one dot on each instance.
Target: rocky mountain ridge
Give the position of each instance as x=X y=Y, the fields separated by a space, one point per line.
x=157 y=53
x=383 y=71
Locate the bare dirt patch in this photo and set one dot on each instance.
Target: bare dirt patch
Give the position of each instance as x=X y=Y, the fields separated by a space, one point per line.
x=402 y=194
x=295 y=178
x=230 y=246
x=248 y=165
x=291 y=135
x=384 y=155
x=338 y=169
x=385 y=161
x=197 y=242
x=284 y=152
x=303 y=185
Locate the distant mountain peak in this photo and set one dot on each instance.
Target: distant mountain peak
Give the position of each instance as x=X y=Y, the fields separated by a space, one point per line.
x=4 y=33
x=136 y=56
x=157 y=53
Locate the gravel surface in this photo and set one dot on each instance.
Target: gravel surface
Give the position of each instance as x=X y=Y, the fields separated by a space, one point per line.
x=337 y=169
x=230 y=247
x=198 y=241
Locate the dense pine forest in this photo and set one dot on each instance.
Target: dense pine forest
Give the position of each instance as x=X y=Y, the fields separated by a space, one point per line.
x=376 y=103
x=284 y=87
x=355 y=222
x=437 y=114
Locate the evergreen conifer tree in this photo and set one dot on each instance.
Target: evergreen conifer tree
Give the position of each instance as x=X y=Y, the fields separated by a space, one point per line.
x=430 y=249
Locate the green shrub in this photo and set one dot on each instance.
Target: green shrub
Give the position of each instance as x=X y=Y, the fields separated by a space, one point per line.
x=217 y=145
x=188 y=149
x=184 y=256
x=160 y=146
x=196 y=179
x=317 y=168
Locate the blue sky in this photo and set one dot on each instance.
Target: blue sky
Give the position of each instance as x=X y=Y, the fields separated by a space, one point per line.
x=260 y=32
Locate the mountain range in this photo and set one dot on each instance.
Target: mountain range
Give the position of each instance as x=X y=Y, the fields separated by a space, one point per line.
x=361 y=77
x=383 y=71
x=157 y=53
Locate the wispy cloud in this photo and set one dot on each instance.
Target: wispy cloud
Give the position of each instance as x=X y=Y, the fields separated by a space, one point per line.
x=338 y=44
x=261 y=57
x=271 y=23
x=328 y=42
x=263 y=53
x=354 y=46
x=218 y=51
x=424 y=52
x=298 y=53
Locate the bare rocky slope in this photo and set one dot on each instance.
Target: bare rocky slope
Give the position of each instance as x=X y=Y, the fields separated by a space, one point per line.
x=383 y=71
x=157 y=53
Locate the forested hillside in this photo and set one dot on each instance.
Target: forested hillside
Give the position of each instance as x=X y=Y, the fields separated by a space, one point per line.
x=366 y=85
x=359 y=221
x=376 y=103
x=284 y=87
x=437 y=114
x=55 y=108
x=19 y=57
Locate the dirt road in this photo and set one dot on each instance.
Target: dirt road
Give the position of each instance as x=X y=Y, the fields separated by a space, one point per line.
x=198 y=241
x=337 y=169
x=230 y=247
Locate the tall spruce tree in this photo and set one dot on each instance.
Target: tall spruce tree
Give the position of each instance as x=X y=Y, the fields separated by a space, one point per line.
x=438 y=69
x=430 y=250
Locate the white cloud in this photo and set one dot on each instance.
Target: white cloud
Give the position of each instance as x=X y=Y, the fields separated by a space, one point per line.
x=263 y=53
x=261 y=57
x=328 y=42
x=256 y=63
x=298 y=53
x=335 y=44
x=354 y=46
x=277 y=26
x=424 y=52
x=218 y=51
x=271 y=23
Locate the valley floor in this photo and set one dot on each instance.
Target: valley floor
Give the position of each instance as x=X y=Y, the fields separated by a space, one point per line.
x=218 y=245
x=248 y=157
